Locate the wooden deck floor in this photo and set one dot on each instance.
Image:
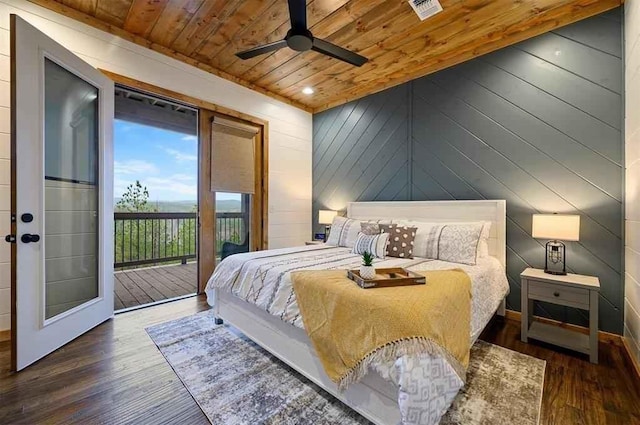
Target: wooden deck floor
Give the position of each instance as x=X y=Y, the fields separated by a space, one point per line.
x=151 y=284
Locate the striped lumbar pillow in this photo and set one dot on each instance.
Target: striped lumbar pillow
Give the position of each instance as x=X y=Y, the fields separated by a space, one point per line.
x=375 y=244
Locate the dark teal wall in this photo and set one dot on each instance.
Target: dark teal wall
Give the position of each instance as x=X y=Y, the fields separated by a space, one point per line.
x=538 y=124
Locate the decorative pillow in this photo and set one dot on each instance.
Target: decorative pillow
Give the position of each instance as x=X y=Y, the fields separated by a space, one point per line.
x=428 y=236
x=459 y=243
x=401 y=240
x=374 y=244
x=344 y=232
x=369 y=228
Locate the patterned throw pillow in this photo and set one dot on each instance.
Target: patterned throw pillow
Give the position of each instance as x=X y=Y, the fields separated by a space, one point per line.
x=459 y=243
x=401 y=240
x=344 y=232
x=369 y=228
x=374 y=244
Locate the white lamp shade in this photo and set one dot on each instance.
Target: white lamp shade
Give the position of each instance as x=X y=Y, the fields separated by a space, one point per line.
x=556 y=226
x=326 y=216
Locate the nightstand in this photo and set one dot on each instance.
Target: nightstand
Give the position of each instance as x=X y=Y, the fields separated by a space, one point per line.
x=571 y=290
x=314 y=242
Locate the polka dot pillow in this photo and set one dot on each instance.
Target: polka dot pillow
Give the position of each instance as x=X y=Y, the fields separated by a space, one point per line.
x=401 y=239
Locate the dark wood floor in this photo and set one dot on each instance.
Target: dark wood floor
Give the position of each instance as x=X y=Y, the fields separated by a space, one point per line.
x=152 y=284
x=115 y=375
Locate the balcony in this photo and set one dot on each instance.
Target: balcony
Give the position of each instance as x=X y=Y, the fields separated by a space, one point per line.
x=155 y=254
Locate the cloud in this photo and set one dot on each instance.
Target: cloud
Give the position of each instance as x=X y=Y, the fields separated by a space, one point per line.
x=183 y=177
x=180 y=156
x=170 y=188
x=190 y=138
x=134 y=166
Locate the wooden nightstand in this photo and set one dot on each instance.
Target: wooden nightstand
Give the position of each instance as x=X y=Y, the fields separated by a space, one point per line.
x=572 y=290
x=314 y=242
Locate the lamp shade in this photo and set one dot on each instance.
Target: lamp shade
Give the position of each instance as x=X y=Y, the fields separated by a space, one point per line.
x=326 y=216
x=556 y=226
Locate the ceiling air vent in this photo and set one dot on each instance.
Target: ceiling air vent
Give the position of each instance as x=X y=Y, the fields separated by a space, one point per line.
x=425 y=8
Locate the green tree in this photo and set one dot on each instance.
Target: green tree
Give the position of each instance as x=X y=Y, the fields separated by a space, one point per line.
x=135 y=199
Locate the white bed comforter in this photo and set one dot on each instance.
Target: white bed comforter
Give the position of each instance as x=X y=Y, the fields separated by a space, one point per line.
x=426 y=384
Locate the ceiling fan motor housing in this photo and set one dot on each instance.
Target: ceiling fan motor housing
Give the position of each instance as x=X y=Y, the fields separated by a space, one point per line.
x=299 y=40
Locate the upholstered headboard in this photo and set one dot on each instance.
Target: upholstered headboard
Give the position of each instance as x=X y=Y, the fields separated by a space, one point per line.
x=494 y=211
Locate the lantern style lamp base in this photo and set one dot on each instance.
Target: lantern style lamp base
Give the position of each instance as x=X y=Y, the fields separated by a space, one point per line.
x=555 y=259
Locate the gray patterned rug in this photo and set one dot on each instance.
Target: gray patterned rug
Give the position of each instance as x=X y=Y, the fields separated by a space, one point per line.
x=237 y=382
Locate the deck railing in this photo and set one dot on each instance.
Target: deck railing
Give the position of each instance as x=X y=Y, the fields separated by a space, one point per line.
x=160 y=237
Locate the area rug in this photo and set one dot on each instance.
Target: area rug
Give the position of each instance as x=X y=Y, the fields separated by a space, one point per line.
x=237 y=382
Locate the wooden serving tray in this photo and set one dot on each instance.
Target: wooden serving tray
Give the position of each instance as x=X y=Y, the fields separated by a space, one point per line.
x=395 y=276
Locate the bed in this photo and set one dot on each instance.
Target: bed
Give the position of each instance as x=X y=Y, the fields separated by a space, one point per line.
x=271 y=318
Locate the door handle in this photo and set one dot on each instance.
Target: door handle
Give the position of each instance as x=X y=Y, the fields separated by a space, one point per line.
x=27 y=238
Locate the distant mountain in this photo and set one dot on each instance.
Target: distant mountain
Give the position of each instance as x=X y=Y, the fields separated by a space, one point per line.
x=223 y=205
x=228 y=205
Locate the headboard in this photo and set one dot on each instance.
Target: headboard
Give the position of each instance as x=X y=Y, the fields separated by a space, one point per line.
x=494 y=211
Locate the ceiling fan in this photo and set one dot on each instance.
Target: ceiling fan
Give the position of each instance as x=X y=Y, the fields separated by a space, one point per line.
x=300 y=39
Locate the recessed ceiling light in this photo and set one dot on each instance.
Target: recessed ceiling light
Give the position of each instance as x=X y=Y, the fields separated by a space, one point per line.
x=307 y=90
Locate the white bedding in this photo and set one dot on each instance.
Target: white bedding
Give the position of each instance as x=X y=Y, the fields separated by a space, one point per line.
x=427 y=384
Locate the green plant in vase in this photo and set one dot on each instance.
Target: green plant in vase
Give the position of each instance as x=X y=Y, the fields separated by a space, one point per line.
x=367 y=271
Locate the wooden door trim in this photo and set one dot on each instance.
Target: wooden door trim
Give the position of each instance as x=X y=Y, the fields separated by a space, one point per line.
x=259 y=202
x=207 y=110
x=184 y=98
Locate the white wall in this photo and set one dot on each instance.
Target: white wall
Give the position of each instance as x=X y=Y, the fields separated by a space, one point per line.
x=290 y=128
x=632 y=162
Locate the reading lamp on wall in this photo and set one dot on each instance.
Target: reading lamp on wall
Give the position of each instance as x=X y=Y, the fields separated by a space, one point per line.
x=326 y=217
x=556 y=227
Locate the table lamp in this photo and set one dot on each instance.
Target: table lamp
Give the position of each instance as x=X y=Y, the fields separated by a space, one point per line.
x=326 y=217
x=557 y=227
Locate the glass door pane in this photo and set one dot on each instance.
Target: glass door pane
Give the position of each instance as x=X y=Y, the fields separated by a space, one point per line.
x=233 y=224
x=71 y=140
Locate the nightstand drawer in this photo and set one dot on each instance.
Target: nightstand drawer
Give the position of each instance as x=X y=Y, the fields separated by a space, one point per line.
x=573 y=297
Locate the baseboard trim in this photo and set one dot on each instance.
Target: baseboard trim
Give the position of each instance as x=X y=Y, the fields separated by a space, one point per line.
x=631 y=357
x=5 y=335
x=605 y=337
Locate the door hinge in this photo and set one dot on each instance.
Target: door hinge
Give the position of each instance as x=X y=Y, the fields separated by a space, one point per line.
x=10 y=238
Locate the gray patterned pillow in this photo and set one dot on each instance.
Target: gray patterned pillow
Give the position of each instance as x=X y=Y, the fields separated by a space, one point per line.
x=401 y=240
x=369 y=228
x=458 y=243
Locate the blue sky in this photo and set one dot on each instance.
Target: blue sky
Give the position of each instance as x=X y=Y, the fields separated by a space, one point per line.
x=164 y=161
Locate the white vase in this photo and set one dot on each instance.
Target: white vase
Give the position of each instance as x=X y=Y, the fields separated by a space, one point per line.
x=367 y=272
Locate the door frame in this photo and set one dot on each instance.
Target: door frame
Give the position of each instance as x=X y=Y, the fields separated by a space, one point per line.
x=206 y=110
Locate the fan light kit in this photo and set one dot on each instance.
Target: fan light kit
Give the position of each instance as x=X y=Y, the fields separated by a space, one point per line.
x=300 y=39
x=307 y=90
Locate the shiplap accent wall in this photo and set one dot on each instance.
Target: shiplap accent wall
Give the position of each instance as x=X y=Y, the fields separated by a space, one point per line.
x=538 y=124
x=632 y=162
x=290 y=128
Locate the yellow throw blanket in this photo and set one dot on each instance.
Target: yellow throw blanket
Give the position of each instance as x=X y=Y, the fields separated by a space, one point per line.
x=351 y=327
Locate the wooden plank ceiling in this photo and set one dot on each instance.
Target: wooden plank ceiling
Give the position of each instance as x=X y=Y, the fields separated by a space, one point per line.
x=208 y=33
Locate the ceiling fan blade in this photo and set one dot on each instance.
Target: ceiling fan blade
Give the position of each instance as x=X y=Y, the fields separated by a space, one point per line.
x=337 y=52
x=298 y=14
x=261 y=50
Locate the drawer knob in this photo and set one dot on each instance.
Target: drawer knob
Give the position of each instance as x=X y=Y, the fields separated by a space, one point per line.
x=556 y=294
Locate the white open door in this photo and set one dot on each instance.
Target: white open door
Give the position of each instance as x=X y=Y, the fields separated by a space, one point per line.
x=62 y=195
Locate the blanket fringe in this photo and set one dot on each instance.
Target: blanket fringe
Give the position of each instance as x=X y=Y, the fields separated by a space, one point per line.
x=395 y=349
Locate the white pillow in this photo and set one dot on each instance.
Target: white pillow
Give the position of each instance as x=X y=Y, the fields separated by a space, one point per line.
x=458 y=243
x=344 y=232
x=426 y=243
x=374 y=244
